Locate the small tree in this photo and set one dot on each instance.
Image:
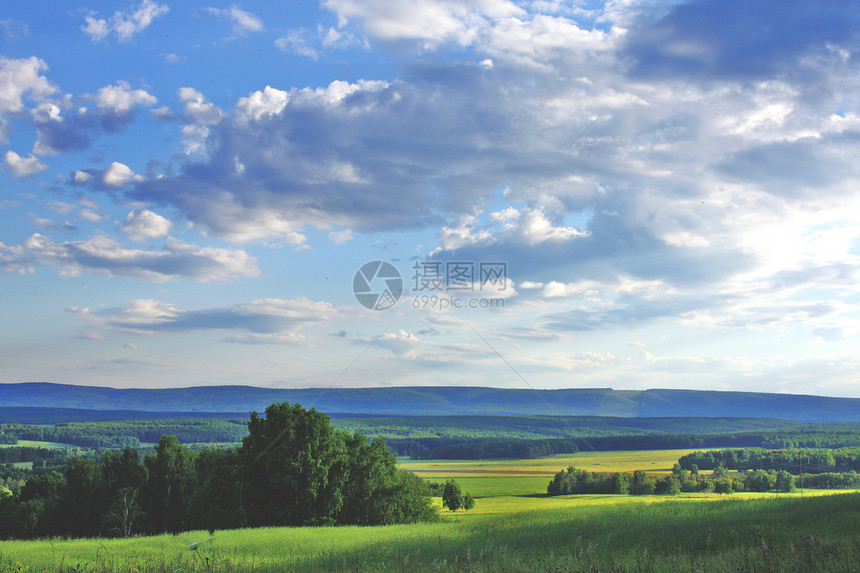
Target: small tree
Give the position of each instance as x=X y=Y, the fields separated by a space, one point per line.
x=669 y=485
x=784 y=481
x=723 y=485
x=620 y=484
x=468 y=501
x=452 y=498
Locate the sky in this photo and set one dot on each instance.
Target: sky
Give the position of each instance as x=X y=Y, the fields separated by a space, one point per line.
x=627 y=194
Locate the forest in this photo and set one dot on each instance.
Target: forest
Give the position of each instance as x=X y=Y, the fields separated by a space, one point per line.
x=793 y=460
x=466 y=437
x=292 y=468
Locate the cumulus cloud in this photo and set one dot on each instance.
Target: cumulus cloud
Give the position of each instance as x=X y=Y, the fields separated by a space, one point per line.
x=20 y=79
x=143 y=224
x=430 y=22
x=119 y=175
x=120 y=99
x=632 y=164
x=124 y=25
x=62 y=126
x=103 y=255
x=81 y=177
x=23 y=167
x=259 y=104
x=199 y=115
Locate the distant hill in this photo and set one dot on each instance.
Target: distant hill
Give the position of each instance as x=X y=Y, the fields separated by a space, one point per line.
x=440 y=400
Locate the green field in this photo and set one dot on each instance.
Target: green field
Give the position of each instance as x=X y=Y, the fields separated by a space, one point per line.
x=767 y=533
x=523 y=479
x=37 y=444
x=514 y=527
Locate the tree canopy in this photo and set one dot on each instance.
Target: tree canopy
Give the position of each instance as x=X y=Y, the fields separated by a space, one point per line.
x=293 y=468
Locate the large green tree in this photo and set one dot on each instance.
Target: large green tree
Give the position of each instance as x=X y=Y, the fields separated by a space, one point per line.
x=295 y=467
x=170 y=487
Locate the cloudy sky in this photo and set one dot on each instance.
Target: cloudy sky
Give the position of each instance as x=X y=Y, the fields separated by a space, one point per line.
x=628 y=194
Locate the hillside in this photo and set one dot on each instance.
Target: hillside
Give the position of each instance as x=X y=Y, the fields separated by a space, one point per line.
x=440 y=400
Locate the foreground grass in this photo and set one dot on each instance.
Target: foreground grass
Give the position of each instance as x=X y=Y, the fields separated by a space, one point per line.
x=763 y=533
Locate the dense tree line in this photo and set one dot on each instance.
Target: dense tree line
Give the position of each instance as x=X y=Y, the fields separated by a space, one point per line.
x=480 y=448
x=118 y=434
x=572 y=481
x=795 y=461
x=52 y=456
x=829 y=480
x=485 y=448
x=293 y=468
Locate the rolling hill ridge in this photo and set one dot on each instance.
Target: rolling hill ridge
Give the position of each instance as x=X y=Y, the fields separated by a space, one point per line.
x=440 y=400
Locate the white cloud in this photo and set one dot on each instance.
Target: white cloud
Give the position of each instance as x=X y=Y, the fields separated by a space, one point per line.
x=117 y=175
x=269 y=320
x=527 y=226
x=120 y=99
x=430 y=22
x=242 y=20
x=123 y=24
x=269 y=101
x=103 y=255
x=143 y=224
x=172 y=58
x=340 y=237
x=339 y=39
x=91 y=216
x=60 y=207
x=299 y=42
x=81 y=177
x=23 y=167
x=200 y=114
x=19 y=79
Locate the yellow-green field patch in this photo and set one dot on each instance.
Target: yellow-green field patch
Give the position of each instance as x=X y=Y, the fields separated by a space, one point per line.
x=652 y=461
x=37 y=444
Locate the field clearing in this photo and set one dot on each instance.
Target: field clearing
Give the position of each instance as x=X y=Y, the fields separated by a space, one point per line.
x=38 y=444
x=652 y=461
x=514 y=486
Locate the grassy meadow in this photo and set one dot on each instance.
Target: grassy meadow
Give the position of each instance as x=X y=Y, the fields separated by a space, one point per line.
x=514 y=527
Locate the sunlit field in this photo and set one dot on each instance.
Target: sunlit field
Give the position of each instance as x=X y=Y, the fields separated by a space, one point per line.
x=654 y=461
x=511 y=486
x=513 y=527
x=767 y=533
x=37 y=444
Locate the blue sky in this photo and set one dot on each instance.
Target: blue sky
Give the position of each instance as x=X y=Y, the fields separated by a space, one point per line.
x=671 y=190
